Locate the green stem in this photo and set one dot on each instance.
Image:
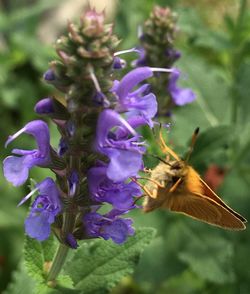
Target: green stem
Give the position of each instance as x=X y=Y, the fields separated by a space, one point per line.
x=242 y=10
x=235 y=58
x=58 y=262
x=235 y=102
x=62 y=251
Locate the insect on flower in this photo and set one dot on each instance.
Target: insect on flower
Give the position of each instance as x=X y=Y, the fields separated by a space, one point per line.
x=175 y=185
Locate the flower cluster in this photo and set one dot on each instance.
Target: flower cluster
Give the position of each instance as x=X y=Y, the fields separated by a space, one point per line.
x=100 y=149
x=157 y=49
x=117 y=139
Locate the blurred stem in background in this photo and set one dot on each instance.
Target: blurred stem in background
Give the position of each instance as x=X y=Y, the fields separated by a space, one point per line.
x=236 y=58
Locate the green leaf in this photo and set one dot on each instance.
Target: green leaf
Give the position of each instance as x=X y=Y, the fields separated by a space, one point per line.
x=49 y=248
x=212 y=140
x=212 y=90
x=37 y=256
x=210 y=258
x=34 y=259
x=242 y=88
x=21 y=282
x=96 y=267
x=185 y=283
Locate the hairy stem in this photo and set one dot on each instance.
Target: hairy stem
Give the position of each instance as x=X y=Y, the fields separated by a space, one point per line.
x=58 y=262
x=62 y=251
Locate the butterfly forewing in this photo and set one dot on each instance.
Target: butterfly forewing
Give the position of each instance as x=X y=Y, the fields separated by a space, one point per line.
x=212 y=195
x=204 y=209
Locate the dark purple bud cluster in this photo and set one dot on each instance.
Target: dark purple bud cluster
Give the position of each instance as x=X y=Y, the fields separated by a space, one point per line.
x=157 y=49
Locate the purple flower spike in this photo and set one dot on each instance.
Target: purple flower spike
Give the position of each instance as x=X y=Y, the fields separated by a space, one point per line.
x=102 y=189
x=44 y=106
x=43 y=211
x=16 y=168
x=119 y=141
x=180 y=96
x=117 y=229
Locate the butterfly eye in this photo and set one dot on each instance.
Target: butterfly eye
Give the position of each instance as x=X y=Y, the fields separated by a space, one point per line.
x=176 y=166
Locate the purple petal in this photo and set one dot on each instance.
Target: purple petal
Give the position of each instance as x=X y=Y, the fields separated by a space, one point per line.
x=16 y=169
x=23 y=152
x=180 y=96
x=130 y=80
x=118 y=230
x=123 y=164
x=102 y=189
x=37 y=226
x=106 y=121
x=40 y=131
x=48 y=187
x=103 y=226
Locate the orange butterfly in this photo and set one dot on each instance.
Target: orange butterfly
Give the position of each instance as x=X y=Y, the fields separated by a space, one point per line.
x=175 y=185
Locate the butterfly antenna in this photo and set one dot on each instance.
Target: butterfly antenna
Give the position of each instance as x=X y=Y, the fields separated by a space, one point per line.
x=159 y=158
x=193 y=140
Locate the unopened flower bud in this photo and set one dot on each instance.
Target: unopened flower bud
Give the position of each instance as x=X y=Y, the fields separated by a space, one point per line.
x=44 y=106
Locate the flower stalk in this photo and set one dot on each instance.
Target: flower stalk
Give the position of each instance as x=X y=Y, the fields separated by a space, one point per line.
x=58 y=262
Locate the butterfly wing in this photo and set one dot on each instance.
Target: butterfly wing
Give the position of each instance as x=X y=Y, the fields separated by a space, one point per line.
x=204 y=209
x=211 y=194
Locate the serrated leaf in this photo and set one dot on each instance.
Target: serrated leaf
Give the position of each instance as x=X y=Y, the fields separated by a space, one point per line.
x=98 y=266
x=21 y=283
x=33 y=258
x=49 y=248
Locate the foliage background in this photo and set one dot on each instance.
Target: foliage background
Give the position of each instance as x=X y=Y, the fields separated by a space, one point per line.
x=214 y=38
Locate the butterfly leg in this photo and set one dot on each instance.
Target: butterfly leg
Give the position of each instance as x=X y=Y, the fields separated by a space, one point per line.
x=138 y=198
x=158 y=184
x=173 y=188
x=165 y=148
x=148 y=193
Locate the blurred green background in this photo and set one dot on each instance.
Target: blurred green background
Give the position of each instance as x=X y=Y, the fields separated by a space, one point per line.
x=214 y=38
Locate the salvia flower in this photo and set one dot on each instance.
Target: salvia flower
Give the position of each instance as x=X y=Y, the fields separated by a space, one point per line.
x=180 y=96
x=109 y=226
x=119 y=194
x=137 y=102
x=16 y=168
x=43 y=210
x=120 y=143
